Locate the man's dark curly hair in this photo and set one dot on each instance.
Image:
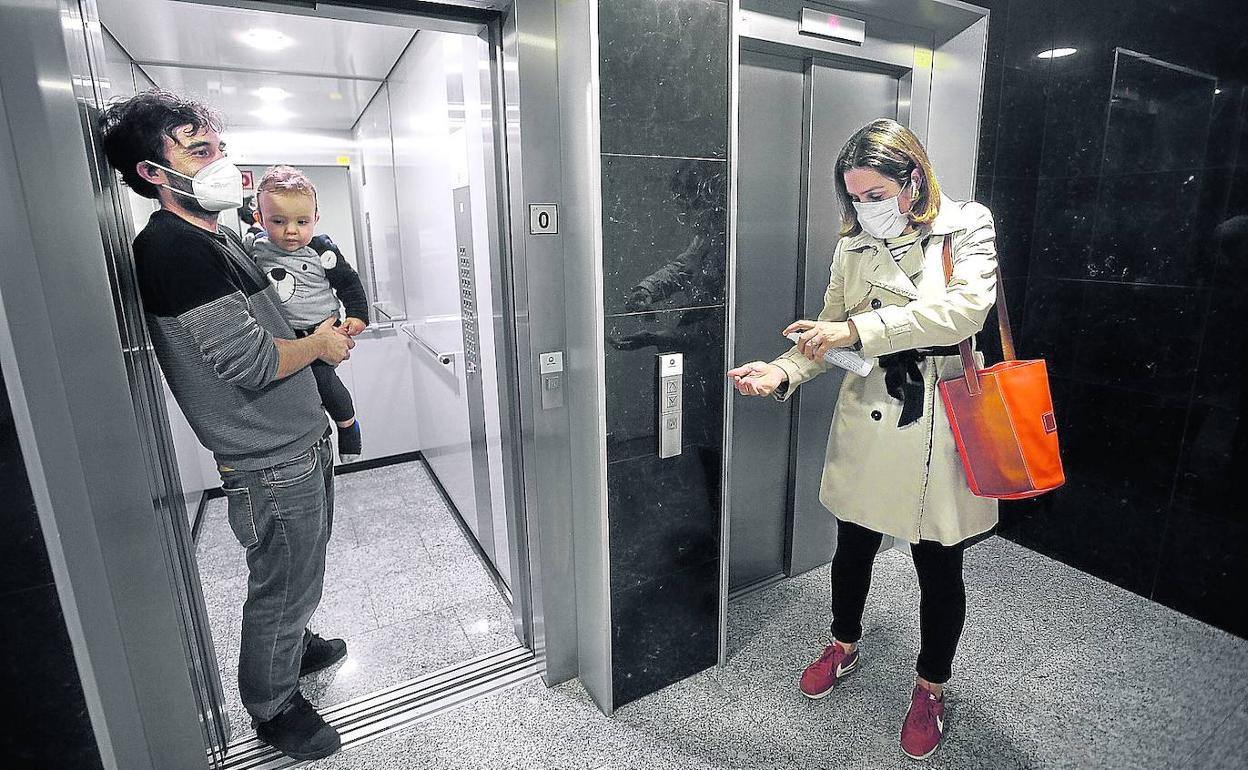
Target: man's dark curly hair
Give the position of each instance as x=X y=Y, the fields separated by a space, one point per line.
x=134 y=130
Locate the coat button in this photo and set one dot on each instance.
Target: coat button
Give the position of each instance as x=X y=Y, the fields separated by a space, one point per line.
x=876 y=304
x=876 y=415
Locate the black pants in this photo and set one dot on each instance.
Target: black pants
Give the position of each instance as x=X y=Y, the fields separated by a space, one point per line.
x=942 y=608
x=334 y=395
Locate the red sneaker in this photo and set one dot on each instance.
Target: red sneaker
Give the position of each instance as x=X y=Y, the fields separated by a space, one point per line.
x=821 y=676
x=925 y=724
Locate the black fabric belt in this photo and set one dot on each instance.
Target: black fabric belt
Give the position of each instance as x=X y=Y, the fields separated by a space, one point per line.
x=904 y=381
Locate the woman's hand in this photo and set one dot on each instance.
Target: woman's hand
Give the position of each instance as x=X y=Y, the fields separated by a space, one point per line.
x=818 y=337
x=757 y=378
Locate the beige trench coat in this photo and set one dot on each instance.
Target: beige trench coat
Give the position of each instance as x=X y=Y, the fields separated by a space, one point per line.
x=905 y=482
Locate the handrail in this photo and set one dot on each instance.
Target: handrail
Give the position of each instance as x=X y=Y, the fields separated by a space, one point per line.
x=446 y=359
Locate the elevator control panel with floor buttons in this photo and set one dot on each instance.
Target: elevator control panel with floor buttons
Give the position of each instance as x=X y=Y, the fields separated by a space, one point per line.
x=671 y=374
x=551 y=368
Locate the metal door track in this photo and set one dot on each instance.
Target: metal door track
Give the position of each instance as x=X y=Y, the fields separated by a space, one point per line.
x=387 y=711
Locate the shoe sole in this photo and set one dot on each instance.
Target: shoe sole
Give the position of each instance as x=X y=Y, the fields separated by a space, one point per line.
x=842 y=675
x=305 y=755
x=323 y=666
x=922 y=757
x=310 y=755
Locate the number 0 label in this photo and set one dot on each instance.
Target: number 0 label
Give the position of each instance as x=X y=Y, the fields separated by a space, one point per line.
x=543 y=219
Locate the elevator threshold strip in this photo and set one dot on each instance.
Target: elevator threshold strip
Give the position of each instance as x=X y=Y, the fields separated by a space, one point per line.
x=387 y=711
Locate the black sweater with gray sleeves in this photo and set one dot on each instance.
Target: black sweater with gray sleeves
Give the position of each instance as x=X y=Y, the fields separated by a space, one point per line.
x=213 y=317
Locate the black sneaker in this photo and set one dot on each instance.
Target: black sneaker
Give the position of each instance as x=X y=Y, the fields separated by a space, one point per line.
x=320 y=653
x=350 y=443
x=299 y=732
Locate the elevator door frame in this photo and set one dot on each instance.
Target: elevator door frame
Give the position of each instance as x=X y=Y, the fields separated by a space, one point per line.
x=75 y=415
x=904 y=37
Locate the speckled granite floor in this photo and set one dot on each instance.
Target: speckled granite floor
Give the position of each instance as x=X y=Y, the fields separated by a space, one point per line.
x=402 y=586
x=1056 y=670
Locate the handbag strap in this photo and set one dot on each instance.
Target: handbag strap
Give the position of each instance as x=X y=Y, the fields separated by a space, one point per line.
x=969 y=366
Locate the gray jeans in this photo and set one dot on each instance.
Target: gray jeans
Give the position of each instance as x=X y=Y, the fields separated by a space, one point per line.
x=283 y=516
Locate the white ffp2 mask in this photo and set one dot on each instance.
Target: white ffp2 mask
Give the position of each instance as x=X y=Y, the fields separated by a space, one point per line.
x=882 y=219
x=217 y=186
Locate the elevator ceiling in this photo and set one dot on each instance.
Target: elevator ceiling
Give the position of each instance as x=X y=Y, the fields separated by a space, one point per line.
x=259 y=68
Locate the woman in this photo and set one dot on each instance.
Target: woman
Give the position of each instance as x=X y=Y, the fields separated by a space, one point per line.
x=892 y=467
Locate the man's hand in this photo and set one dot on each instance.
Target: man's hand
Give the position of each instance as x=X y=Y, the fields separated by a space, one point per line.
x=818 y=337
x=334 y=347
x=757 y=378
x=352 y=326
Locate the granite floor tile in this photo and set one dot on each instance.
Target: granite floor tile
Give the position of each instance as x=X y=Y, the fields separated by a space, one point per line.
x=421 y=588
x=376 y=558
x=1227 y=749
x=390 y=655
x=1057 y=670
x=488 y=625
x=1110 y=697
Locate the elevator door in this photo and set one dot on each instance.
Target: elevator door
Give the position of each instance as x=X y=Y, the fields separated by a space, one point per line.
x=795 y=114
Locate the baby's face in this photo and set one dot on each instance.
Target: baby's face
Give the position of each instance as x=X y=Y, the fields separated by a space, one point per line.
x=289 y=218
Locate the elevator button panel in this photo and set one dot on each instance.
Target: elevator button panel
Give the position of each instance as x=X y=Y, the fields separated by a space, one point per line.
x=550 y=365
x=671 y=376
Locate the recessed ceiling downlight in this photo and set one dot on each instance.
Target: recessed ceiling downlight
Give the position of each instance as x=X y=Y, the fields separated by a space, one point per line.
x=266 y=39
x=272 y=93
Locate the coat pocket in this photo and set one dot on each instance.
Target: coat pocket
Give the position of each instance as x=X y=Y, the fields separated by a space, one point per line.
x=241 y=515
x=866 y=296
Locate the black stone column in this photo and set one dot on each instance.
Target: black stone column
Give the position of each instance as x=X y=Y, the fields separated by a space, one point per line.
x=664 y=119
x=45 y=722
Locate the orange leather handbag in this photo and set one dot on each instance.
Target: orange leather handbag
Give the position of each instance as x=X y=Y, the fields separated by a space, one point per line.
x=1002 y=416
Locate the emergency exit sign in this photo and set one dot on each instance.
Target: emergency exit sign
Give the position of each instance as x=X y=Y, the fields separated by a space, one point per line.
x=826 y=24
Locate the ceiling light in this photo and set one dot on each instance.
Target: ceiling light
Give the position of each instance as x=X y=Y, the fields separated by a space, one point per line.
x=266 y=39
x=334 y=96
x=1057 y=53
x=271 y=93
x=274 y=115
x=1217 y=91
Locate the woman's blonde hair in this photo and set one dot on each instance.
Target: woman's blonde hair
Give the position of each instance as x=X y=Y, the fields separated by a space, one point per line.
x=894 y=151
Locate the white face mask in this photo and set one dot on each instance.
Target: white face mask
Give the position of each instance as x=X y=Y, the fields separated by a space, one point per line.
x=217 y=186
x=882 y=219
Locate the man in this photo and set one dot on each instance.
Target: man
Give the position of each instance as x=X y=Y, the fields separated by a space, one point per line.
x=242 y=379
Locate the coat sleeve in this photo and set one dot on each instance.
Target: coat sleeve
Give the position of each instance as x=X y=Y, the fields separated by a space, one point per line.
x=948 y=319
x=798 y=367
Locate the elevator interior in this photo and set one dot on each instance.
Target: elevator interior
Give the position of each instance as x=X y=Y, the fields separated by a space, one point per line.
x=393 y=120
x=800 y=94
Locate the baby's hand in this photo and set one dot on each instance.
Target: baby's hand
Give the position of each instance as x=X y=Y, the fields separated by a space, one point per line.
x=353 y=326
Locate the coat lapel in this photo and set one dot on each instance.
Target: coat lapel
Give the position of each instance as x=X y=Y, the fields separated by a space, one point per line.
x=920 y=267
x=880 y=270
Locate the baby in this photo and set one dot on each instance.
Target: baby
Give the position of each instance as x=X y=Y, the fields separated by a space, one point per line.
x=311 y=278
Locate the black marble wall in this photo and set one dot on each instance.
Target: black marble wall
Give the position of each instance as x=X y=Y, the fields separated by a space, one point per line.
x=45 y=714
x=1120 y=185
x=664 y=108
